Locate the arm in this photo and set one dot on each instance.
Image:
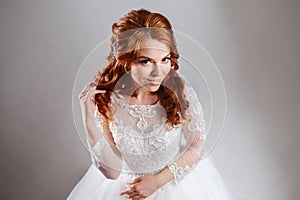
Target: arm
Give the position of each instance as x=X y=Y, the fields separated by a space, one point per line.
x=184 y=164
x=194 y=134
x=104 y=154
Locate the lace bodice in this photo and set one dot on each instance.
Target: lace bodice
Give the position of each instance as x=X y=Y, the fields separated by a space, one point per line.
x=146 y=143
x=141 y=134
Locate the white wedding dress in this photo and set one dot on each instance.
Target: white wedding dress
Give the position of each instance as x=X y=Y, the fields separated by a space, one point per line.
x=147 y=145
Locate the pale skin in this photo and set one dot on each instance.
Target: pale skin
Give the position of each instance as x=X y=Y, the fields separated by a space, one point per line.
x=149 y=70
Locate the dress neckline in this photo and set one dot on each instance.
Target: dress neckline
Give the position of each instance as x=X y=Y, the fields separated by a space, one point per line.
x=125 y=103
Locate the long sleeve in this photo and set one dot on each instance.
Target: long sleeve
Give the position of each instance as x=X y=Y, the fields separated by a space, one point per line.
x=194 y=135
x=104 y=154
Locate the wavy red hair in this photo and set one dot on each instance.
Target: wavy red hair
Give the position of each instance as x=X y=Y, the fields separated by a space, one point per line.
x=128 y=34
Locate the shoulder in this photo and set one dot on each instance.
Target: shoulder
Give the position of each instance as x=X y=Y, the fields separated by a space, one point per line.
x=195 y=106
x=190 y=93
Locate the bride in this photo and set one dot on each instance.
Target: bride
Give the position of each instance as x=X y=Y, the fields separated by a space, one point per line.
x=144 y=125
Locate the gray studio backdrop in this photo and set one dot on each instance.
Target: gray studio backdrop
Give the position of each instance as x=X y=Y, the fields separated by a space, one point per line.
x=255 y=44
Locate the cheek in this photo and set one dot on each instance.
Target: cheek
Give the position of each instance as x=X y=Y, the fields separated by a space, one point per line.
x=166 y=70
x=138 y=74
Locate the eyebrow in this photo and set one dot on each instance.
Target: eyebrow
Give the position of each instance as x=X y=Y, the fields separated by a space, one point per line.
x=151 y=58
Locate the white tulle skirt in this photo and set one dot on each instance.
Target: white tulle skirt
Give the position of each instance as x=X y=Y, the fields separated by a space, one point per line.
x=203 y=183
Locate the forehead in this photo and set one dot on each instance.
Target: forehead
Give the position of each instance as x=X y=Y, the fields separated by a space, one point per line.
x=153 y=49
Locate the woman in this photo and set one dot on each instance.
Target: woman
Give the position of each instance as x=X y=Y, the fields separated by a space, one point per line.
x=145 y=127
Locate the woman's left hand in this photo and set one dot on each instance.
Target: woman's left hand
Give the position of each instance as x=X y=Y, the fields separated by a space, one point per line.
x=142 y=187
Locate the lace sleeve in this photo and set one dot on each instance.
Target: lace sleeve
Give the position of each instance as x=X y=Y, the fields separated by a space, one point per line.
x=194 y=134
x=104 y=154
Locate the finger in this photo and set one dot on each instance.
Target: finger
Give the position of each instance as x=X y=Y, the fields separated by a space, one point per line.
x=135 y=180
x=86 y=89
x=127 y=191
x=138 y=198
x=133 y=194
x=94 y=92
x=91 y=92
x=86 y=96
x=88 y=86
x=99 y=91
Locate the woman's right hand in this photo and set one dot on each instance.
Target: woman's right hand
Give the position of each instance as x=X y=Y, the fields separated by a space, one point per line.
x=87 y=101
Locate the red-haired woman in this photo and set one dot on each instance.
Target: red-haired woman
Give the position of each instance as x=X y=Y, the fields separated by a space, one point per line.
x=145 y=127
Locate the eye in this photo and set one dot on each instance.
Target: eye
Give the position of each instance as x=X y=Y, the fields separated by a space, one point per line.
x=145 y=62
x=166 y=59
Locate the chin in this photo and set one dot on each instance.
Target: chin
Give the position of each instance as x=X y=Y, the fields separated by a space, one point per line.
x=153 y=88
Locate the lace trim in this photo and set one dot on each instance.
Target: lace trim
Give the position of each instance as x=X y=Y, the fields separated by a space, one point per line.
x=98 y=120
x=197 y=122
x=125 y=104
x=118 y=128
x=179 y=172
x=95 y=152
x=139 y=111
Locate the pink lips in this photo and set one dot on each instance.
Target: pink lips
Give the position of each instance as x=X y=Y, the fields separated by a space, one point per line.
x=154 y=82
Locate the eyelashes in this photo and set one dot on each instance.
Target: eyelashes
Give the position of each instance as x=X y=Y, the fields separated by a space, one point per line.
x=166 y=59
x=148 y=61
x=145 y=62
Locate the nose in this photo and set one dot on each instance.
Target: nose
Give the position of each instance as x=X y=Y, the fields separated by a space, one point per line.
x=156 y=70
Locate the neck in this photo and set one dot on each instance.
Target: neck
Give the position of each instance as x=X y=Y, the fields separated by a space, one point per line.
x=138 y=95
x=143 y=97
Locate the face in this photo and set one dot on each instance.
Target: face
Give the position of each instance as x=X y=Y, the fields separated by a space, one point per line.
x=152 y=65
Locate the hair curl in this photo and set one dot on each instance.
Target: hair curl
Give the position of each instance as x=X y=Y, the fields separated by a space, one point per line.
x=128 y=34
